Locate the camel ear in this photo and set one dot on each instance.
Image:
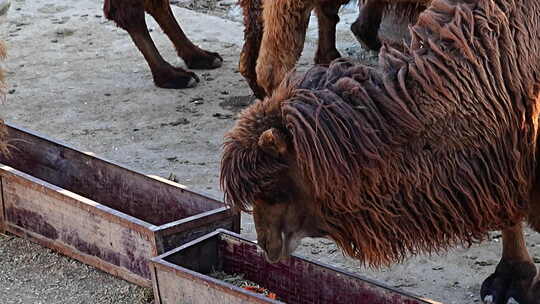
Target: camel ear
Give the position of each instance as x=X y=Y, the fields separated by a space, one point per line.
x=273 y=141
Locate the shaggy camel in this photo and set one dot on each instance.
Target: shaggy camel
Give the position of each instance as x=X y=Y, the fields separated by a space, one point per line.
x=129 y=15
x=275 y=33
x=432 y=149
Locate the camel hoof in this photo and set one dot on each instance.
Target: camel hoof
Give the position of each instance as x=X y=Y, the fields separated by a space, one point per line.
x=512 y=283
x=207 y=60
x=192 y=83
x=176 y=79
x=218 y=62
x=489 y=300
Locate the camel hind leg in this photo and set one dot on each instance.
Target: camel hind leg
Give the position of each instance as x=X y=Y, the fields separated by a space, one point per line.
x=193 y=56
x=253 y=32
x=285 y=24
x=129 y=15
x=327 y=16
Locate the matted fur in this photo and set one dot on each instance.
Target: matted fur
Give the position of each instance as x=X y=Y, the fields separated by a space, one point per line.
x=434 y=148
x=246 y=171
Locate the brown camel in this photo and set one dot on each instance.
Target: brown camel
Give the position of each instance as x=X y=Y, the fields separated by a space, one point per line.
x=129 y=15
x=432 y=149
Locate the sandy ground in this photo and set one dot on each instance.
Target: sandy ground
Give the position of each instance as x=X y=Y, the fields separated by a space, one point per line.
x=76 y=77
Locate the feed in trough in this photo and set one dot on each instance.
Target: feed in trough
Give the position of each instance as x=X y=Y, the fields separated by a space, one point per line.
x=237 y=279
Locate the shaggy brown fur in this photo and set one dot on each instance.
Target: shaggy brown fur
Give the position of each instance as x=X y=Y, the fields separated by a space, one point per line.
x=274 y=34
x=253 y=30
x=129 y=15
x=433 y=149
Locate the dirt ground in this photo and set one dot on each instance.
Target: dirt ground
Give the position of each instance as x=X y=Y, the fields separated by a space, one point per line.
x=76 y=77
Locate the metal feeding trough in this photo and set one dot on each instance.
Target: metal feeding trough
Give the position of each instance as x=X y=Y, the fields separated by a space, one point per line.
x=181 y=276
x=96 y=211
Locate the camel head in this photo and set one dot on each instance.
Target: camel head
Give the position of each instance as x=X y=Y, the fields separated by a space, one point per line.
x=259 y=175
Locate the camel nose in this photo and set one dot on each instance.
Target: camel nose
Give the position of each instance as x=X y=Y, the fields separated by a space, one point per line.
x=269 y=256
x=272 y=258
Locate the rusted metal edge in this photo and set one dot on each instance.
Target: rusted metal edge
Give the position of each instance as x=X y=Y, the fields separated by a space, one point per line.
x=79 y=201
x=155 y=283
x=193 y=221
x=160 y=262
x=114 y=270
x=210 y=235
x=94 y=156
x=200 y=193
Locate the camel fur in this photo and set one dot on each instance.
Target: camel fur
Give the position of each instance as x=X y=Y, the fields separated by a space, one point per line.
x=275 y=32
x=432 y=149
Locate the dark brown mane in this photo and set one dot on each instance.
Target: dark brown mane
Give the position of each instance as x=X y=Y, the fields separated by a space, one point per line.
x=246 y=171
x=434 y=148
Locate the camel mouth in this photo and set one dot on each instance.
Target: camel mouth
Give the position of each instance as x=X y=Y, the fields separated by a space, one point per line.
x=289 y=244
x=282 y=253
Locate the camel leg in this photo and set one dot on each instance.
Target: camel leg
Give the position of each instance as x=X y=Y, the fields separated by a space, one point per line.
x=193 y=56
x=533 y=214
x=285 y=25
x=129 y=15
x=252 y=10
x=327 y=15
x=366 y=27
x=514 y=280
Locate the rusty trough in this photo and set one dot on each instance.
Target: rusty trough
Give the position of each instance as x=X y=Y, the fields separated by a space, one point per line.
x=98 y=212
x=181 y=276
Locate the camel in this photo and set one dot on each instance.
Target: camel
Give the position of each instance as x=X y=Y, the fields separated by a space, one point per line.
x=432 y=149
x=129 y=15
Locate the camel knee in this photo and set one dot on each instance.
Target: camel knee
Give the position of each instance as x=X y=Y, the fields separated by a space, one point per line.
x=247 y=68
x=127 y=14
x=285 y=25
x=157 y=8
x=366 y=27
x=268 y=77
